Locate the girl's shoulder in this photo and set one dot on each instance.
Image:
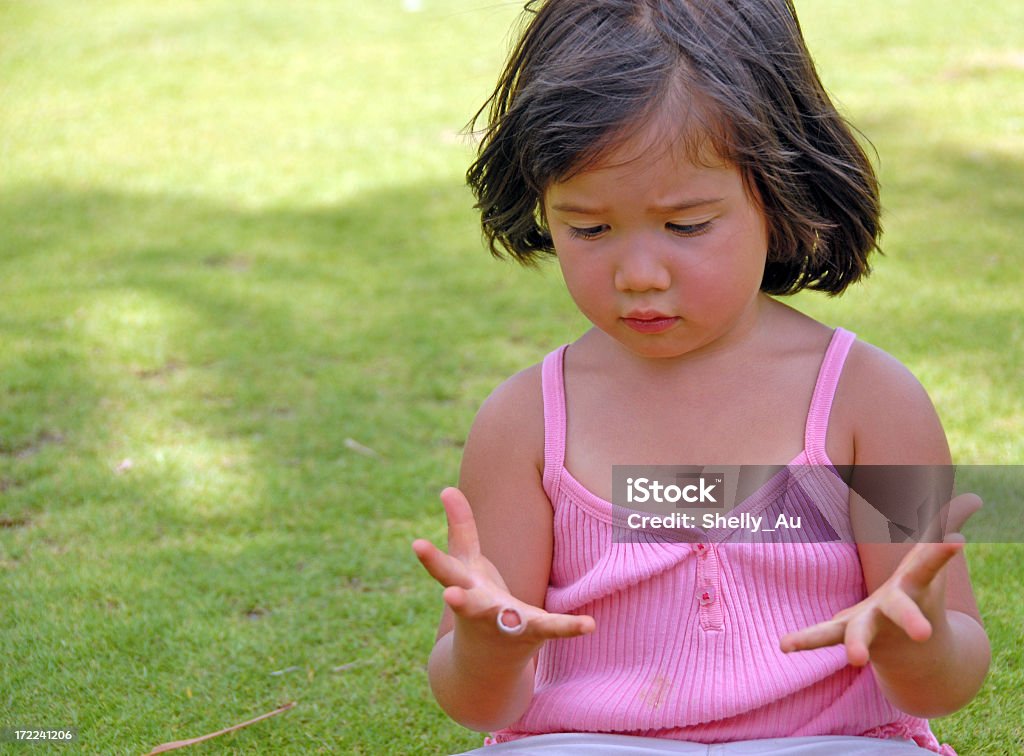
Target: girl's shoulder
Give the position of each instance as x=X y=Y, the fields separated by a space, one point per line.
x=517 y=393
x=887 y=410
x=512 y=416
x=871 y=378
x=880 y=413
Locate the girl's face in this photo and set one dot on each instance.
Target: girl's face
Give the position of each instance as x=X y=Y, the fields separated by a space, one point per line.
x=663 y=255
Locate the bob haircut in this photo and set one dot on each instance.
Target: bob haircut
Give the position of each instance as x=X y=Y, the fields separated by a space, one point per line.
x=732 y=75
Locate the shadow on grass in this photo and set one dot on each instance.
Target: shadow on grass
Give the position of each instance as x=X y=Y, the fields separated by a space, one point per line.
x=343 y=316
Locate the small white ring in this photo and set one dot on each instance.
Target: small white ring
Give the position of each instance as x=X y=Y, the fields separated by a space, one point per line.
x=515 y=630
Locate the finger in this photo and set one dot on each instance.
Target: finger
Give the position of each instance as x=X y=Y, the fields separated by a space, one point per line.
x=961 y=509
x=478 y=603
x=904 y=612
x=816 y=636
x=561 y=625
x=925 y=562
x=456 y=597
x=463 y=602
x=859 y=634
x=444 y=568
x=463 y=541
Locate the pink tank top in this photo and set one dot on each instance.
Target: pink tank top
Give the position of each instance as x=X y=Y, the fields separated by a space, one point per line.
x=687 y=639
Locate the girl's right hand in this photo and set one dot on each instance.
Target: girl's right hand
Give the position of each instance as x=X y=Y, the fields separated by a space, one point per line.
x=475 y=591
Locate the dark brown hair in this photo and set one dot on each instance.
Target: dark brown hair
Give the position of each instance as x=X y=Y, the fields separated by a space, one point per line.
x=732 y=73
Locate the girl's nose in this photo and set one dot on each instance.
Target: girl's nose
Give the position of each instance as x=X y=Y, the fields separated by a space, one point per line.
x=641 y=270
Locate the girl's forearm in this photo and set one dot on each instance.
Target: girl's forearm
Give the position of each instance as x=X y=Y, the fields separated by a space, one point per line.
x=938 y=676
x=481 y=686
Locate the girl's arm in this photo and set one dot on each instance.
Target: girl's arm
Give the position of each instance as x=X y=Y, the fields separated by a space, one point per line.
x=499 y=555
x=919 y=627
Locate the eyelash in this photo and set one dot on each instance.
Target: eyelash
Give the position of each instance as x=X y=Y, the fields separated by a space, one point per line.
x=692 y=229
x=688 y=231
x=586 y=233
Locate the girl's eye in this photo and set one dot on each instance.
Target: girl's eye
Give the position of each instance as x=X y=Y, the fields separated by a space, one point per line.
x=695 y=229
x=591 y=232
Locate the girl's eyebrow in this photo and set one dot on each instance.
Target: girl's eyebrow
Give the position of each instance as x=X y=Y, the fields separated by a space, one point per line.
x=673 y=207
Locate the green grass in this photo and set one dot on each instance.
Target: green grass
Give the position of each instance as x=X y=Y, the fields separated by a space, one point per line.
x=233 y=236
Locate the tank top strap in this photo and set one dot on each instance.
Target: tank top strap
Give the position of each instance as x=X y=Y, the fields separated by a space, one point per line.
x=816 y=429
x=553 y=388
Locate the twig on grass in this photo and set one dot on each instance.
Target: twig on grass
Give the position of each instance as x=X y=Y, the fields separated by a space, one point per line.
x=350 y=665
x=358 y=448
x=185 y=743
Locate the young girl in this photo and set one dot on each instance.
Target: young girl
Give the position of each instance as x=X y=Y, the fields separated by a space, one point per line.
x=682 y=161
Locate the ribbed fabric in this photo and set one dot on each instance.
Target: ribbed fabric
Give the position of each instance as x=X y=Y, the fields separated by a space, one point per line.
x=687 y=639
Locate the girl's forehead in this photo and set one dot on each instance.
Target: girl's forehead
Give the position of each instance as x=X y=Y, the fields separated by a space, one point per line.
x=681 y=130
x=649 y=184
x=644 y=152
x=652 y=153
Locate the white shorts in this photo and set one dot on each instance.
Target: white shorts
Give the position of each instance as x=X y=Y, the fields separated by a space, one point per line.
x=594 y=744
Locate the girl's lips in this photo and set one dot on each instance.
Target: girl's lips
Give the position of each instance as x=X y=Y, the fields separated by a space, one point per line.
x=651 y=324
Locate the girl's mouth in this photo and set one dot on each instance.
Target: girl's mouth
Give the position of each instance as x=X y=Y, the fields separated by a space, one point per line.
x=653 y=323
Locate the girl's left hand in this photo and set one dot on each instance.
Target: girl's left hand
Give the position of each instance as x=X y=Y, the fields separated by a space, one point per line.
x=907 y=605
